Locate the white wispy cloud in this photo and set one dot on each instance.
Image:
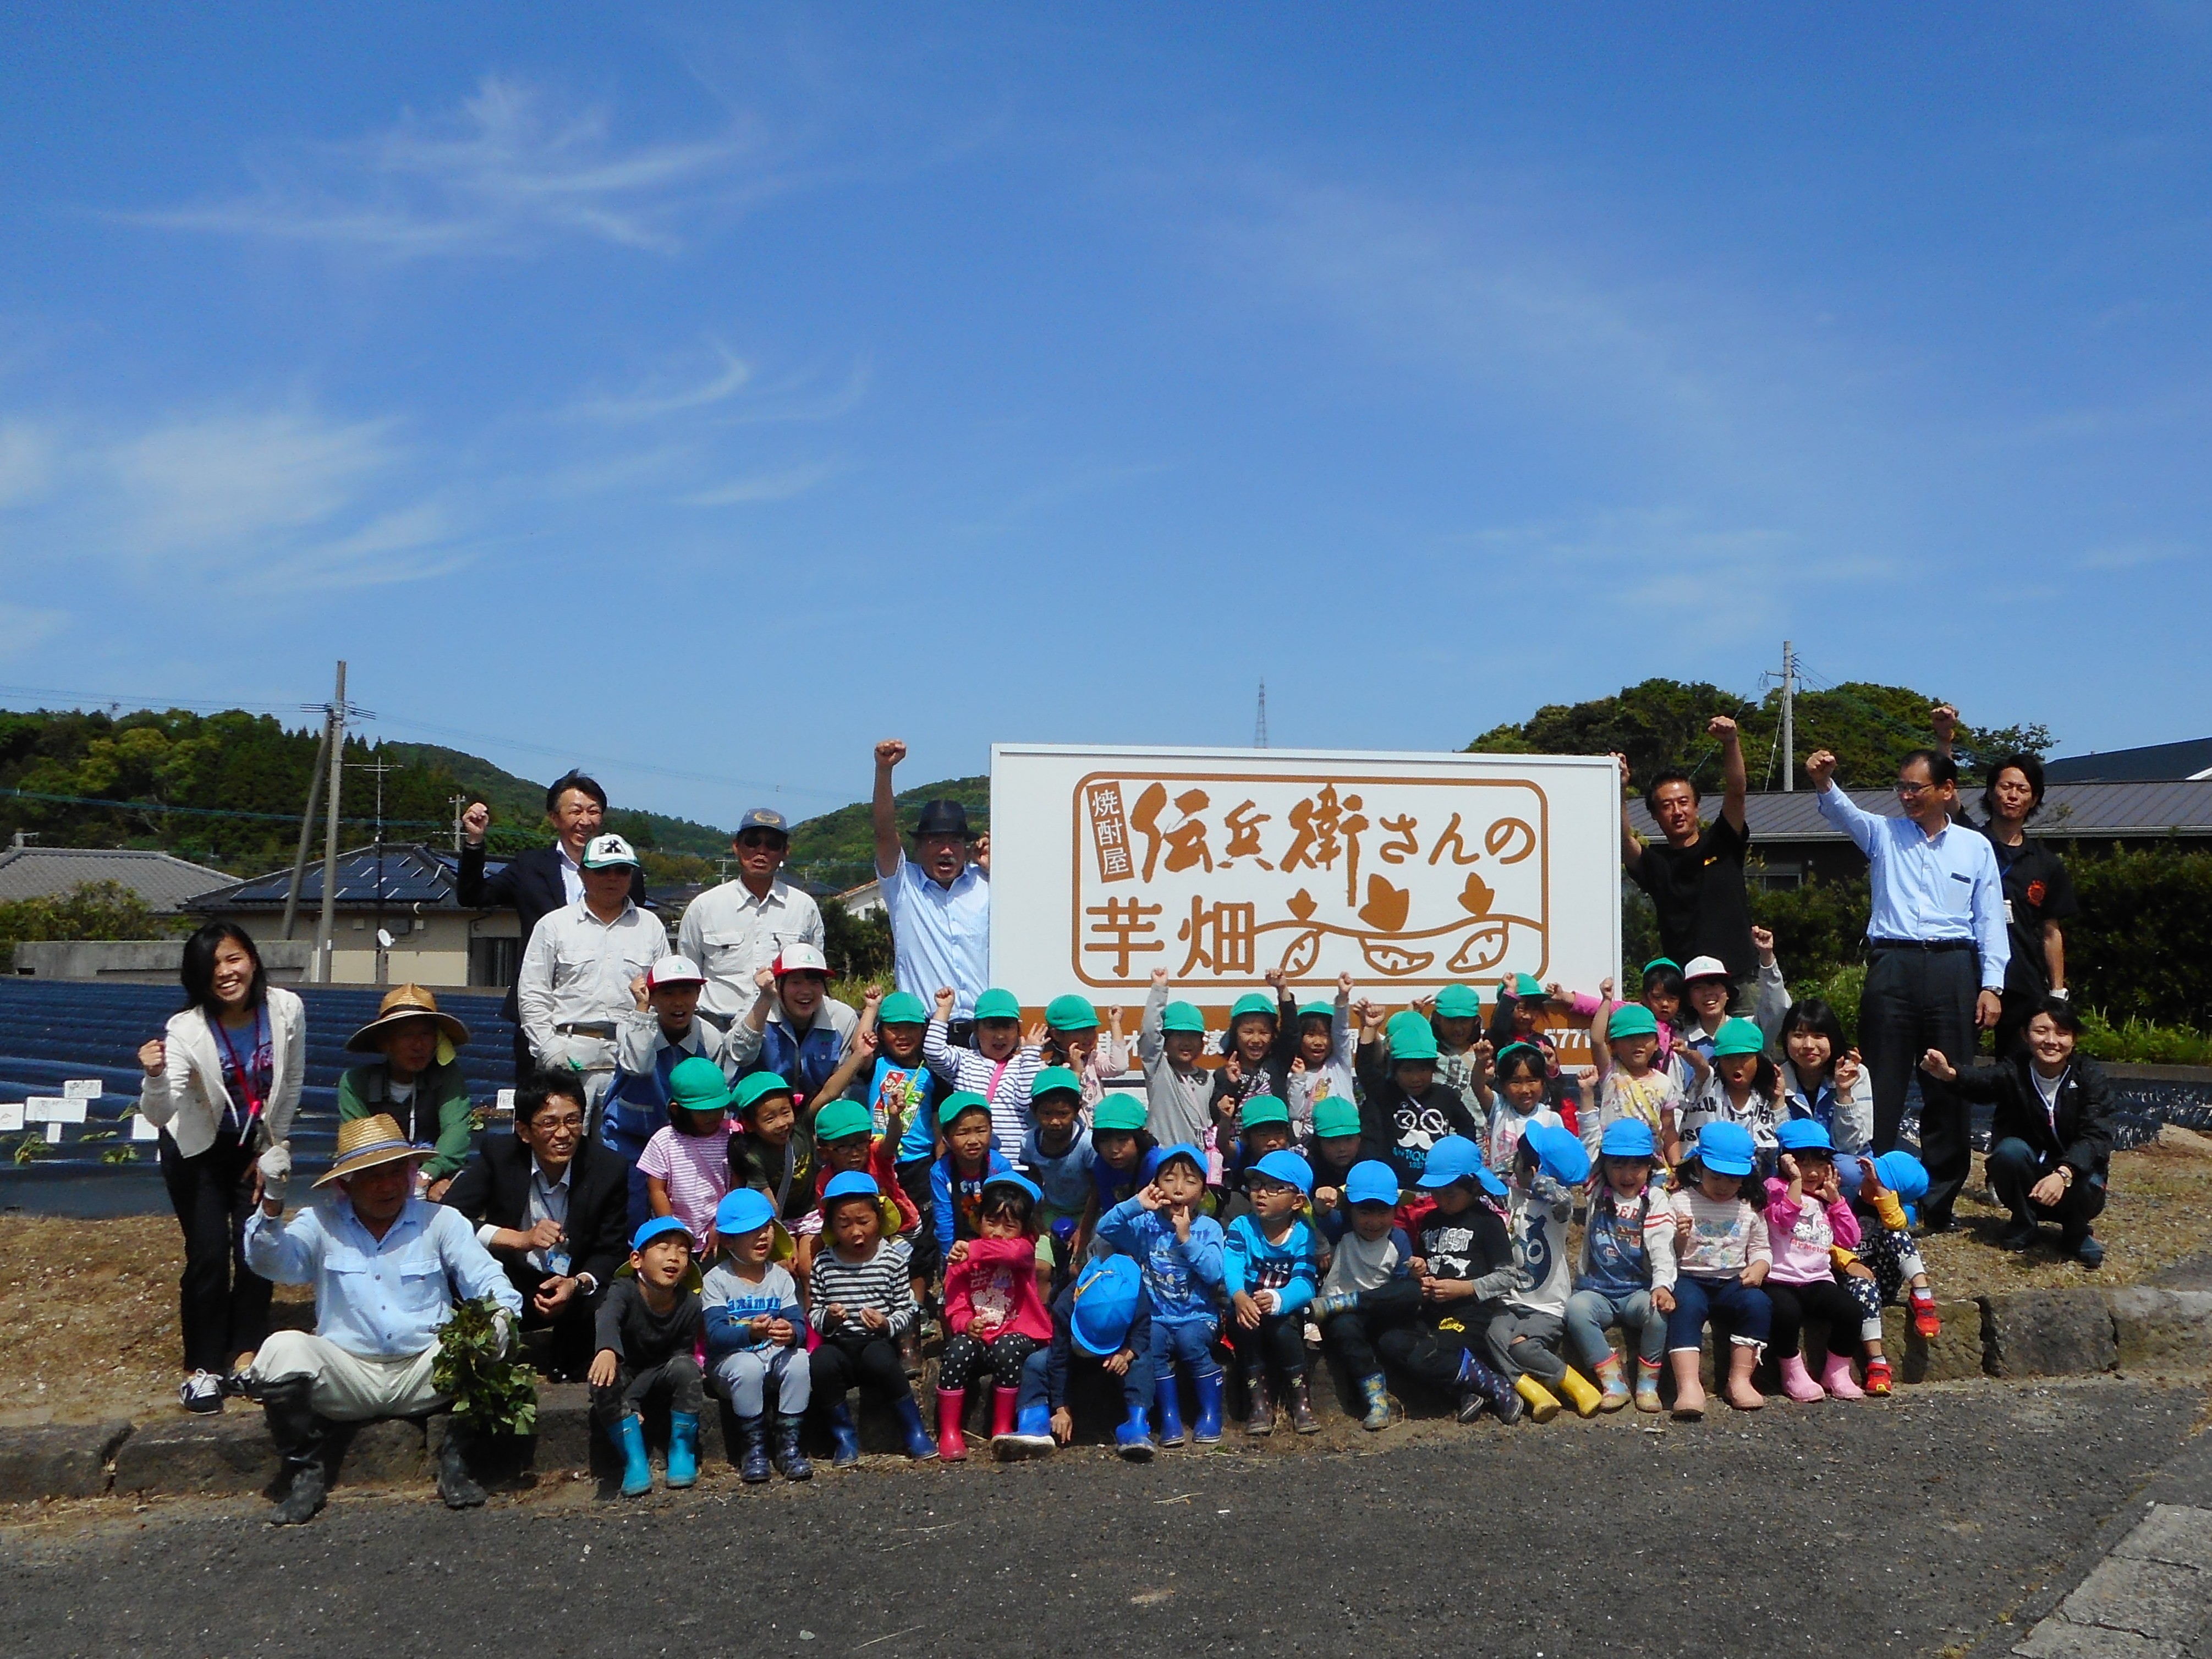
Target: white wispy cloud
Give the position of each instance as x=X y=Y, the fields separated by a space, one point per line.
x=208 y=483
x=27 y=460
x=508 y=171
x=2133 y=555
x=779 y=486
x=669 y=394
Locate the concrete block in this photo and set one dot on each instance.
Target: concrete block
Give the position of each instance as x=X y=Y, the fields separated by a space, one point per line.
x=2176 y=1533
x=2153 y=1328
x=2049 y=1333
x=228 y=1452
x=2059 y=1638
x=2153 y=1599
x=1955 y=1354
x=65 y=1461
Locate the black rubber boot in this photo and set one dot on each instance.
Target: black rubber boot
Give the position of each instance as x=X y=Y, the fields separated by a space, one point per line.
x=456 y=1485
x=789 y=1462
x=298 y=1435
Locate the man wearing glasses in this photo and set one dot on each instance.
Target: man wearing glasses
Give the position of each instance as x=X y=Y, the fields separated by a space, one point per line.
x=735 y=930
x=1937 y=952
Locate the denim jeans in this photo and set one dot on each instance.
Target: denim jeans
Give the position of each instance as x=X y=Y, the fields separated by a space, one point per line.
x=1742 y=1308
x=1588 y=1314
x=1185 y=1342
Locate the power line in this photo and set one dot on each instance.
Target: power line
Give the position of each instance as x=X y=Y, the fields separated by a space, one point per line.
x=201 y=812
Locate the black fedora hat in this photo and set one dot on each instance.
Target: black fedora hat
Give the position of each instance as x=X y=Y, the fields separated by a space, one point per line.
x=943 y=817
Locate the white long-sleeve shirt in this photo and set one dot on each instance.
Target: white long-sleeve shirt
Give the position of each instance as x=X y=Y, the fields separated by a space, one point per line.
x=577 y=970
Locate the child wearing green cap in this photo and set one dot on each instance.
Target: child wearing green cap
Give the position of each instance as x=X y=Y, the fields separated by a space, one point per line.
x=1058 y=1155
x=689 y=1163
x=956 y=1181
x=1119 y=1145
x=1071 y=1039
x=1628 y=1081
x=902 y=1088
x=780 y=1159
x=1463 y=1054
x=1322 y=1067
x=1335 y=1147
x=1521 y=1083
x=1742 y=1085
x=1257 y=1050
x=1178 y=1093
x=1404 y=1109
x=1523 y=1004
x=1262 y=1126
x=1000 y=1067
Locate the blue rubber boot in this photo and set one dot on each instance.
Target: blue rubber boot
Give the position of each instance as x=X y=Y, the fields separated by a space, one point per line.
x=1133 y=1439
x=844 y=1438
x=1170 y=1404
x=790 y=1462
x=683 y=1449
x=637 y=1473
x=1207 y=1432
x=1031 y=1435
x=919 y=1445
x=752 y=1454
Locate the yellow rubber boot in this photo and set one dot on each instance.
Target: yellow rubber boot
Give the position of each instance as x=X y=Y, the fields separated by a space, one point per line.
x=1577 y=1388
x=1543 y=1404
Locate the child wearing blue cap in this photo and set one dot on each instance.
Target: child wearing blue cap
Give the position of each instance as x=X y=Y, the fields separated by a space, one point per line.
x=1263 y=1126
x=993 y=1317
x=1524 y=1339
x=1887 y=1186
x=1271 y=1266
x=648 y=1334
x=860 y=1301
x=1627 y=1275
x=756 y=1338
x=1464 y=1265
x=1179 y=1249
x=1370 y=1287
x=1101 y=1319
x=1720 y=1255
x=1807 y=1224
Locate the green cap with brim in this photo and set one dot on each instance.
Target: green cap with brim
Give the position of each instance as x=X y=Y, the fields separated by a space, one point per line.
x=1183 y=1016
x=903 y=1008
x=997 y=1005
x=1252 y=1002
x=1055 y=1079
x=1413 y=1041
x=1335 y=1116
x=754 y=1087
x=1528 y=985
x=1738 y=1036
x=1120 y=1112
x=1318 y=1011
x=1458 y=1002
x=1071 y=1013
x=1657 y=963
x=1631 y=1019
x=958 y=1104
x=1262 y=1108
x=841 y=1118
x=697 y=1084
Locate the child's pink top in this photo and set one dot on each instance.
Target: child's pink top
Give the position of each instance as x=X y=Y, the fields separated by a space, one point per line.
x=697 y=1171
x=997 y=1276
x=1800 y=1233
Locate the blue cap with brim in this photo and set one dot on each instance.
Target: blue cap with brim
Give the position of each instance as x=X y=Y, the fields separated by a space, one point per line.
x=660 y=1227
x=1370 y=1181
x=1454 y=1158
x=1160 y=1157
x=1016 y=1179
x=851 y=1184
x=1559 y=1154
x=1105 y=1304
x=1287 y=1167
x=744 y=1210
x=1903 y=1175
x=1726 y=1149
x=1627 y=1137
x=1803 y=1134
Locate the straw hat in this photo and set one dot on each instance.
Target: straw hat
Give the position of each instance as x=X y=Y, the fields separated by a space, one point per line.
x=404 y=1003
x=366 y=1142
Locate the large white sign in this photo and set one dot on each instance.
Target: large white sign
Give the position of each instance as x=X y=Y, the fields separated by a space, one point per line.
x=1408 y=870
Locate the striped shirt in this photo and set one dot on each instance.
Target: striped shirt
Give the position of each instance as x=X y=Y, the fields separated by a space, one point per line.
x=695 y=1169
x=1007 y=1089
x=879 y=1282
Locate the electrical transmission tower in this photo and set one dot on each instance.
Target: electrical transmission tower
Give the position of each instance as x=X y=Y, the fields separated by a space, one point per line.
x=1260 y=726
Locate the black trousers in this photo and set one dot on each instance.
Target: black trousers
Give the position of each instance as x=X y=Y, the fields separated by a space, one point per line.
x=675 y=1379
x=575 y=1338
x=1825 y=1300
x=1353 y=1336
x=914 y=1175
x=223 y=1305
x=1432 y=1352
x=1916 y=1001
x=872 y=1362
x=1279 y=1341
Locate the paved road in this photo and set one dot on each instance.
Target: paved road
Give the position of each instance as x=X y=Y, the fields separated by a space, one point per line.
x=1908 y=1527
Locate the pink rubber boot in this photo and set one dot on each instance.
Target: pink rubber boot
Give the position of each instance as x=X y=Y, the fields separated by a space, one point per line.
x=1797 y=1382
x=1836 y=1378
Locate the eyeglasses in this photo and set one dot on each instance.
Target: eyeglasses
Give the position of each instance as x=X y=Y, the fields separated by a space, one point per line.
x=554 y=1126
x=1910 y=790
x=762 y=838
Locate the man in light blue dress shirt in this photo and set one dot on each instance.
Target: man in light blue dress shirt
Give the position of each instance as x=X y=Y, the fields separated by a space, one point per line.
x=938 y=901
x=1937 y=951
x=386 y=1266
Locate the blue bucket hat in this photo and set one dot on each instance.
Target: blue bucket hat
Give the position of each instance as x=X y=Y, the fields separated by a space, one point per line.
x=1726 y=1149
x=1287 y=1167
x=1559 y=1154
x=1105 y=1302
x=851 y=1184
x=1627 y=1137
x=1903 y=1175
x=1370 y=1181
x=1454 y=1158
x=746 y=1210
x=1803 y=1134
x=660 y=1227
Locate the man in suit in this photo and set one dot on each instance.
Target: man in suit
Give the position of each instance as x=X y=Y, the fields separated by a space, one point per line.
x=553 y=1208
x=541 y=879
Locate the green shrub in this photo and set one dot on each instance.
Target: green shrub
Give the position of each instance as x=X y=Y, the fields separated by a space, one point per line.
x=2139 y=1043
x=90 y=910
x=2143 y=944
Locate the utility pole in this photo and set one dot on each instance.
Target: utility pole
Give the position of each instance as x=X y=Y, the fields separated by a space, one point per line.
x=379 y=766
x=308 y=821
x=321 y=972
x=1260 y=726
x=1788 y=720
x=459 y=803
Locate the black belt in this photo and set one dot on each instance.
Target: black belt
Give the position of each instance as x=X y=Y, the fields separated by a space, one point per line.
x=603 y=1029
x=1929 y=945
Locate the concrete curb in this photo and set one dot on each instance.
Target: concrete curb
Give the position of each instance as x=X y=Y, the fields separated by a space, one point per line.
x=2059 y=1333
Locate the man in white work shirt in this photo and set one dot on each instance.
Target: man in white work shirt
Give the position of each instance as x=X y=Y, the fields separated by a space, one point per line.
x=735 y=930
x=939 y=903
x=574 y=986
x=1937 y=951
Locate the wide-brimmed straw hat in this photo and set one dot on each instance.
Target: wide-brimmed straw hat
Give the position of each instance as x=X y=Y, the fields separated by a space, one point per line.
x=366 y=1142
x=404 y=1003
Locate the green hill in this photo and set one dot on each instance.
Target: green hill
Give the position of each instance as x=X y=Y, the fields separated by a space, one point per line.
x=519 y=804
x=837 y=850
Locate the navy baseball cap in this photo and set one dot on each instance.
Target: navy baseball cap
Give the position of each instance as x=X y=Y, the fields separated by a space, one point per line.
x=765 y=817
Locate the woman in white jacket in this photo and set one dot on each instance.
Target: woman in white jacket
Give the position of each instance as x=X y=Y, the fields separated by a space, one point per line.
x=222 y=1084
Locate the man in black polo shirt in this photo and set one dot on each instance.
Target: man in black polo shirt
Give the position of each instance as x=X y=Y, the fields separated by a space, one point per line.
x=1695 y=877
x=2039 y=894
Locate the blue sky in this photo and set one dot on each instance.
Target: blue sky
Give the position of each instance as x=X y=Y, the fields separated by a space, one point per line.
x=708 y=391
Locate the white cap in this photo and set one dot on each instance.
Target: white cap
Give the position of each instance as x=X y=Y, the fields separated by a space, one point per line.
x=606 y=852
x=799 y=957
x=674 y=970
x=1706 y=968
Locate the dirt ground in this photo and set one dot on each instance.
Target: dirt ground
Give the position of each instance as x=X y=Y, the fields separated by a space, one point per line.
x=88 y=1309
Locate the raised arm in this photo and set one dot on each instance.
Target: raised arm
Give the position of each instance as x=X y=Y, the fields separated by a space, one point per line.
x=1631 y=844
x=1838 y=808
x=884 y=808
x=1734 y=783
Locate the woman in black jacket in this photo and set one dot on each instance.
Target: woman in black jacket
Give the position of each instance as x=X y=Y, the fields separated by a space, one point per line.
x=2050 y=1138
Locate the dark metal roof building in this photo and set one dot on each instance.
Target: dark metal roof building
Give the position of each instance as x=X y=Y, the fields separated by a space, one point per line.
x=405 y=874
x=2154 y=763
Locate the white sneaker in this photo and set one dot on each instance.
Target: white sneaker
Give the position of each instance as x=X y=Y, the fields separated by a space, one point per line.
x=201 y=1392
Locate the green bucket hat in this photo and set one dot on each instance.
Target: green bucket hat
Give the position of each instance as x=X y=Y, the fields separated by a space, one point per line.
x=958 y=1104
x=1252 y=1002
x=1071 y=1013
x=1183 y=1016
x=752 y=1088
x=841 y=1118
x=1657 y=963
x=997 y=1005
x=1055 y=1079
x=1631 y=1019
x=1412 y=1040
x=1262 y=1108
x=903 y=1008
x=1458 y=1002
x=1121 y=1112
x=697 y=1084
x=1738 y=1036
x=1528 y=985
x=1335 y=1116
x=1317 y=1011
